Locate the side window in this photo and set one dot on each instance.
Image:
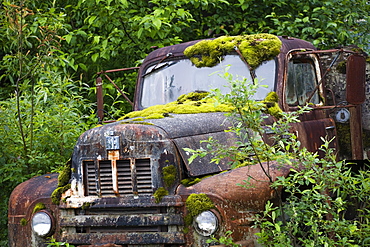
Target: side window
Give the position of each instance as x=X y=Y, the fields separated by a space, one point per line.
x=301 y=82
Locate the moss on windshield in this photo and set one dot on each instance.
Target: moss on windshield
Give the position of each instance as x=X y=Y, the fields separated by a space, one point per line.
x=255 y=48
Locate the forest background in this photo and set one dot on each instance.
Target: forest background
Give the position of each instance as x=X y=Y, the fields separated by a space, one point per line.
x=51 y=51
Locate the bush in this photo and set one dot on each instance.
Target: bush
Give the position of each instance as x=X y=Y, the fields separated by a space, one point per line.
x=324 y=202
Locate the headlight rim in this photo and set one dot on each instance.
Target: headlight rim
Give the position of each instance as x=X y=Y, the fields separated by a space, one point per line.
x=52 y=223
x=217 y=223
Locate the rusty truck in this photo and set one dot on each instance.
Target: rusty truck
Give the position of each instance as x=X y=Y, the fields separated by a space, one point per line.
x=123 y=186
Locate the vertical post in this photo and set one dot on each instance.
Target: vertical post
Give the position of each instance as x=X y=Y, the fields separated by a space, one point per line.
x=99 y=99
x=355 y=94
x=356 y=132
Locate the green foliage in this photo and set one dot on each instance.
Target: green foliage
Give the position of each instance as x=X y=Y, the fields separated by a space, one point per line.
x=51 y=51
x=44 y=112
x=325 y=205
x=54 y=243
x=324 y=202
x=225 y=240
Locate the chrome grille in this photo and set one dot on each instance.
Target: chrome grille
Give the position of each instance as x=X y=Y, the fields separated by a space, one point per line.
x=132 y=176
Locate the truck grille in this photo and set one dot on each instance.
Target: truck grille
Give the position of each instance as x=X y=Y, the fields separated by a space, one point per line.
x=132 y=176
x=125 y=221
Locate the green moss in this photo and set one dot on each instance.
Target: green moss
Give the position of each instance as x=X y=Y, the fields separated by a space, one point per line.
x=195 y=204
x=191 y=103
x=169 y=175
x=342 y=67
x=85 y=205
x=57 y=193
x=190 y=181
x=255 y=48
x=344 y=138
x=39 y=206
x=64 y=176
x=159 y=194
x=272 y=106
x=23 y=222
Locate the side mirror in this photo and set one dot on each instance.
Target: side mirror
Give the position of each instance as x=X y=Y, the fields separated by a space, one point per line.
x=356 y=77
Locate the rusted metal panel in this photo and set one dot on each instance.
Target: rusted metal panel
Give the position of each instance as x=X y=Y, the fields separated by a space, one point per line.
x=356 y=133
x=356 y=77
x=309 y=133
x=188 y=130
x=130 y=201
x=137 y=238
x=238 y=205
x=21 y=204
x=184 y=125
x=122 y=220
x=203 y=165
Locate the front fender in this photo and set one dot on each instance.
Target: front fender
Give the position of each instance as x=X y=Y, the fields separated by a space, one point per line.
x=237 y=205
x=22 y=203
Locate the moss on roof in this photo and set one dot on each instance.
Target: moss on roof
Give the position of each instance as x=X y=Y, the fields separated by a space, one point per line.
x=255 y=48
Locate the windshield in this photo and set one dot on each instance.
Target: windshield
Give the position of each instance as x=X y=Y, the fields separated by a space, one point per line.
x=165 y=82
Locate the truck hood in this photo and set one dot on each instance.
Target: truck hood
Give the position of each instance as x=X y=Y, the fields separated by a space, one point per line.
x=188 y=130
x=182 y=130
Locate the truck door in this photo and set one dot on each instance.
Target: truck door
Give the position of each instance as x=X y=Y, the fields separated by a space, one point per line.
x=302 y=87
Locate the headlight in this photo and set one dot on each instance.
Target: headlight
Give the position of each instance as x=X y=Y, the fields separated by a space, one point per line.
x=206 y=223
x=42 y=223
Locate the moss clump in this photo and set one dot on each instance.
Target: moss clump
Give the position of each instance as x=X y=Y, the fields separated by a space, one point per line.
x=63 y=183
x=85 y=205
x=191 y=103
x=272 y=106
x=255 y=48
x=190 y=181
x=169 y=175
x=195 y=204
x=23 y=222
x=159 y=194
x=344 y=139
x=342 y=67
x=57 y=193
x=39 y=206
x=64 y=176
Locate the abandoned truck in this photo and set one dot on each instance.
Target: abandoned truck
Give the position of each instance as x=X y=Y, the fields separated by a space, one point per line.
x=124 y=183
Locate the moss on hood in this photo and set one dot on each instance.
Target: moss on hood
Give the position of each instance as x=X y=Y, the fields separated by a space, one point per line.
x=186 y=104
x=255 y=48
x=193 y=103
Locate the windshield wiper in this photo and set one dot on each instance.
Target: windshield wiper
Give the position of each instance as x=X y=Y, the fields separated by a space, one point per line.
x=163 y=65
x=155 y=69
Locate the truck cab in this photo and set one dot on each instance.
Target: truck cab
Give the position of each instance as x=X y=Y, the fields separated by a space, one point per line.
x=124 y=185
